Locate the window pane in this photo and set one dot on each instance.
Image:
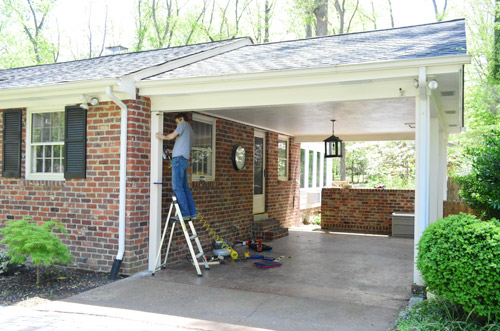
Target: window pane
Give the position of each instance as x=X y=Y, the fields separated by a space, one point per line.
x=48 y=151
x=202 y=135
x=58 y=167
x=37 y=135
x=318 y=169
x=48 y=165
x=302 y=168
x=311 y=162
x=202 y=163
x=282 y=149
x=48 y=127
x=39 y=165
x=258 y=166
x=57 y=151
x=281 y=168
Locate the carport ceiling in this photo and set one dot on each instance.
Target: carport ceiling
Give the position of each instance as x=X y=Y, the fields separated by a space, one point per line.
x=381 y=119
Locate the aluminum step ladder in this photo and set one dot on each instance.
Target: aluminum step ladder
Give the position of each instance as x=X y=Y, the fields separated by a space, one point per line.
x=189 y=239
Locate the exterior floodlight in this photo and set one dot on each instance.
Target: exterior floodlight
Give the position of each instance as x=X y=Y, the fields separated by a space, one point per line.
x=94 y=101
x=433 y=84
x=333 y=144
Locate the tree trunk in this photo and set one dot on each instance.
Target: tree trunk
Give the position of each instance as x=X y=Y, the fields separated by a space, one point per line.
x=341 y=13
x=267 y=18
x=321 y=14
x=495 y=73
x=390 y=12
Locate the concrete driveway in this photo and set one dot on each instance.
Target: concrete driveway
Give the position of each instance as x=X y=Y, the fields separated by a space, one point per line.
x=327 y=282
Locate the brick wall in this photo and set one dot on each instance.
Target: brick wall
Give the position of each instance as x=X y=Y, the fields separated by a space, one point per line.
x=363 y=210
x=89 y=207
x=227 y=203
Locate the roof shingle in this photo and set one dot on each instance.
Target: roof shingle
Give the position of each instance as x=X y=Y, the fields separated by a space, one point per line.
x=112 y=66
x=415 y=42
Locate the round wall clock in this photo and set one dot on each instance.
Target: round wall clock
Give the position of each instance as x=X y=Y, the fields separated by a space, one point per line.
x=239 y=157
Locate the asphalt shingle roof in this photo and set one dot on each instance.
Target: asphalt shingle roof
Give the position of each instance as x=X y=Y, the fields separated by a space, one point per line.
x=112 y=66
x=415 y=42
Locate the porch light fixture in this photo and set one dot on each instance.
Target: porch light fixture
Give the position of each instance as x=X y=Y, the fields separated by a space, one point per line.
x=333 y=144
x=433 y=84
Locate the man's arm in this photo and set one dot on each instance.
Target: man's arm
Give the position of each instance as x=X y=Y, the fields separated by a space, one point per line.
x=169 y=136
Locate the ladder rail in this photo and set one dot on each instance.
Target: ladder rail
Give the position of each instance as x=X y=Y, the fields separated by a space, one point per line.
x=177 y=212
x=158 y=255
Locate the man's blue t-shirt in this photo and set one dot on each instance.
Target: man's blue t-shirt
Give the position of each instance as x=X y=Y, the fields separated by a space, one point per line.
x=184 y=141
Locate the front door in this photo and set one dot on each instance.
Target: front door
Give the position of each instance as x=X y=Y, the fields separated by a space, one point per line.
x=259 y=167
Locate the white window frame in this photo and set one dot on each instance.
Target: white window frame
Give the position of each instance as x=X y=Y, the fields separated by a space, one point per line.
x=212 y=121
x=287 y=140
x=28 y=171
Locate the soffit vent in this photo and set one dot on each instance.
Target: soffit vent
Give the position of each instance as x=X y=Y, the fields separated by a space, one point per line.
x=447 y=93
x=450 y=112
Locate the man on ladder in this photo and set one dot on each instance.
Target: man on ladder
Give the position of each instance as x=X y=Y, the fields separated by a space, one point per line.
x=181 y=153
x=182 y=206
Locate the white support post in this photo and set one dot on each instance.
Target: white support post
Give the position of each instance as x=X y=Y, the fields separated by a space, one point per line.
x=443 y=172
x=155 y=189
x=435 y=190
x=422 y=165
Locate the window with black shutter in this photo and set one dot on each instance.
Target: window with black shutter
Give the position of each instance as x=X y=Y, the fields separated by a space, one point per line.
x=12 y=127
x=75 y=142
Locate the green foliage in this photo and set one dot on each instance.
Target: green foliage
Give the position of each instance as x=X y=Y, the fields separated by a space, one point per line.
x=481 y=183
x=459 y=258
x=439 y=314
x=25 y=239
x=7 y=267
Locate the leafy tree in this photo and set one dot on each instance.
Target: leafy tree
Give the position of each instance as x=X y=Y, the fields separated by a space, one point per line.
x=31 y=16
x=481 y=184
x=25 y=239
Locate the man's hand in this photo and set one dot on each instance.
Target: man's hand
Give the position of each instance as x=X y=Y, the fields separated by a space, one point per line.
x=160 y=136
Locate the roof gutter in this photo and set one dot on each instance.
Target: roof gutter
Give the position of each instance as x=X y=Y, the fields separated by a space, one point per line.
x=123 y=183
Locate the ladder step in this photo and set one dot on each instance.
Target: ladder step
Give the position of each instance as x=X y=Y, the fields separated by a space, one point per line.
x=199 y=254
x=193 y=236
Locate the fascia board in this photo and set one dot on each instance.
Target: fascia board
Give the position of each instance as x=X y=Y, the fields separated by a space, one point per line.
x=57 y=89
x=379 y=70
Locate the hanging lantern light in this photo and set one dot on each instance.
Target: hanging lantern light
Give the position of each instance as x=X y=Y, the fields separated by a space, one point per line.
x=333 y=144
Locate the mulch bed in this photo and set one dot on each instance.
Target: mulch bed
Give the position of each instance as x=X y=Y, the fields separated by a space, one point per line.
x=55 y=283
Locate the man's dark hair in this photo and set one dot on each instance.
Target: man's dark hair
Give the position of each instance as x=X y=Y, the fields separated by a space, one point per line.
x=181 y=115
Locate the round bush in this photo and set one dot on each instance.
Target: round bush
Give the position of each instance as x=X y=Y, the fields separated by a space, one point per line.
x=459 y=258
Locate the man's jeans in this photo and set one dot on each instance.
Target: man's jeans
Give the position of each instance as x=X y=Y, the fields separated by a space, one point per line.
x=181 y=188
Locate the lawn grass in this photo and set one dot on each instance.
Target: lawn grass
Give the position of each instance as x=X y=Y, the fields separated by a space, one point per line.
x=439 y=314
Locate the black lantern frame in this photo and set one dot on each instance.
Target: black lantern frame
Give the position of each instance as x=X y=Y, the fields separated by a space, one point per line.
x=333 y=144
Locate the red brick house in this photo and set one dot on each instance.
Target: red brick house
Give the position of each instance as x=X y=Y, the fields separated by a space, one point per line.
x=78 y=137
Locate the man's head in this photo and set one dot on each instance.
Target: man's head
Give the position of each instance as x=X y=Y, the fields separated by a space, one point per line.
x=180 y=118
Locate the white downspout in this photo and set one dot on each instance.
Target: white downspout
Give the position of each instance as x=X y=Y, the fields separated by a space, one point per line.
x=123 y=182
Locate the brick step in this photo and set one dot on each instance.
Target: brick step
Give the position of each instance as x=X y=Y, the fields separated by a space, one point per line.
x=265 y=225
x=274 y=234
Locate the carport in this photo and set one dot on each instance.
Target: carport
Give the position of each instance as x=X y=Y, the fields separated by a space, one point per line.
x=328 y=281
x=397 y=84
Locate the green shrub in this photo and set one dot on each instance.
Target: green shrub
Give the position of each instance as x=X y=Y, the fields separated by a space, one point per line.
x=25 y=239
x=7 y=267
x=459 y=258
x=481 y=183
x=439 y=314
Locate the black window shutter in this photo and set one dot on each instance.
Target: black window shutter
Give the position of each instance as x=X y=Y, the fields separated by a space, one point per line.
x=12 y=127
x=75 y=142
